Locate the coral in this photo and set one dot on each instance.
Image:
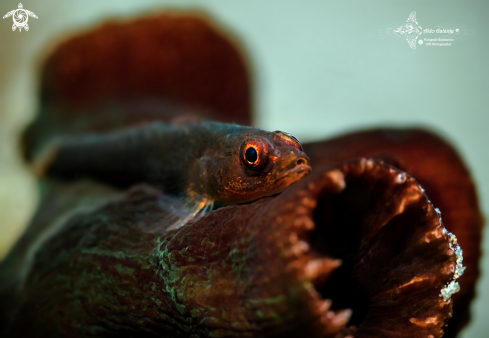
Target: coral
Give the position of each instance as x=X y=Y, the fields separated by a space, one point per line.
x=353 y=249
x=442 y=174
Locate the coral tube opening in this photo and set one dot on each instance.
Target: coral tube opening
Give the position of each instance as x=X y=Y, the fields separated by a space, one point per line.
x=337 y=234
x=394 y=251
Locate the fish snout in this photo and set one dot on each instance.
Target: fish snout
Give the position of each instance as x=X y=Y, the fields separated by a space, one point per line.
x=303 y=160
x=299 y=158
x=294 y=161
x=303 y=164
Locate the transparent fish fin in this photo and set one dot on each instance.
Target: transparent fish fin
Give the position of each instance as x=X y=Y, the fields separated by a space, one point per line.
x=174 y=212
x=181 y=215
x=192 y=210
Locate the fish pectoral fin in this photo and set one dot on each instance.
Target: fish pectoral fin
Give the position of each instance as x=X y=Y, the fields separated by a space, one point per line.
x=205 y=207
x=175 y=212
x=191 y=211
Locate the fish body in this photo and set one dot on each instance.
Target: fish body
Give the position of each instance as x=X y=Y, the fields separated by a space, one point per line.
x=198 y=163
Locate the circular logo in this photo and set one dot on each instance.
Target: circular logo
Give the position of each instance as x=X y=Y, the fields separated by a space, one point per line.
x=20 y=17
x=420 y=42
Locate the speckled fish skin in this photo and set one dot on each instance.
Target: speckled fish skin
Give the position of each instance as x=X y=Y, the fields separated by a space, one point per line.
x=194 y=160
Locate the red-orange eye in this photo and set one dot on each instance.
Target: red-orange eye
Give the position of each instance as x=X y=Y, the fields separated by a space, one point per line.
x=254 y=154
x=251 y=154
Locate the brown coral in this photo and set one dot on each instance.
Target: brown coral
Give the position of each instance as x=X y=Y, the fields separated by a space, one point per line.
x=359 y=240
x=446 y=180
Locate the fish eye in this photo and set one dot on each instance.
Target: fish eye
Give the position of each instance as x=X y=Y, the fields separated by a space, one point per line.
x=254 y=154
x=251 y=155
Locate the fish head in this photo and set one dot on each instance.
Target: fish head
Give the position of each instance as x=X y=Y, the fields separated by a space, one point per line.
x=255 y=163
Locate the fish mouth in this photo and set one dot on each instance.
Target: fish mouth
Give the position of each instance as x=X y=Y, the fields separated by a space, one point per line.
x=302 y=168
x=287 y=177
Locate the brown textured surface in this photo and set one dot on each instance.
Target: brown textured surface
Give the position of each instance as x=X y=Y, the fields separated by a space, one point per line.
x=155 y=68
x=257 y=270
x=441 y=172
